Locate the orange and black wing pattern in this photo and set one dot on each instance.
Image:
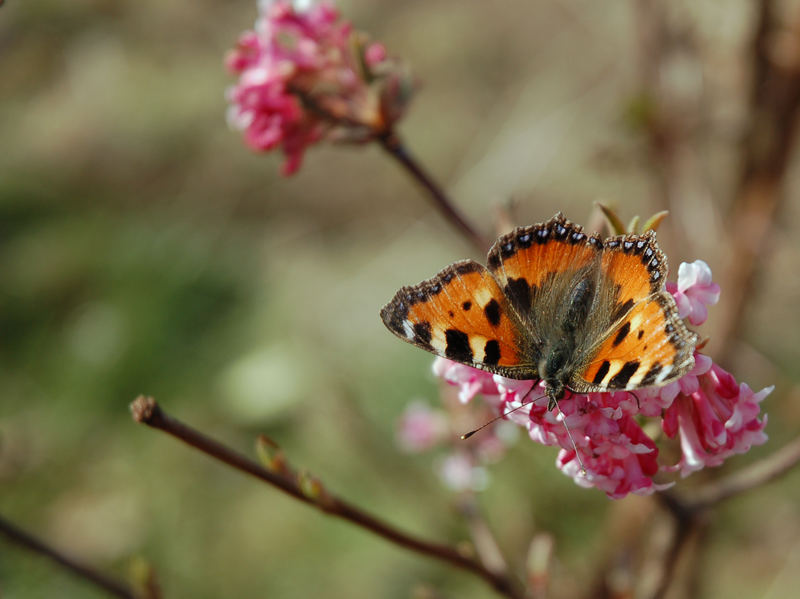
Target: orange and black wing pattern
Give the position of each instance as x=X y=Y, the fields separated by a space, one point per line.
x=462 y=314
x=529 y=259
x=645 y=342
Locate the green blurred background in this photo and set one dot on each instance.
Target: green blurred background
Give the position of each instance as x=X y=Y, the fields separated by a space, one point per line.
x=143 y=249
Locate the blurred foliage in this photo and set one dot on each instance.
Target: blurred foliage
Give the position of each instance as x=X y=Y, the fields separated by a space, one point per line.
x=144 y=250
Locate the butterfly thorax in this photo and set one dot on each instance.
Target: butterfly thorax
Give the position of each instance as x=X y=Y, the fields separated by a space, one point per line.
x=557 y=362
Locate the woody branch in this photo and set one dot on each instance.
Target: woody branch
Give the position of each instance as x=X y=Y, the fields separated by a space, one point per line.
x=765 y=153
x=146 y=411
x=24 y=539
x=390 y=141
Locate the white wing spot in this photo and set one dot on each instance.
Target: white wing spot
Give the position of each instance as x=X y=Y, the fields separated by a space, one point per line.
x=663 y=374
x=478 y=346
x=483 y=296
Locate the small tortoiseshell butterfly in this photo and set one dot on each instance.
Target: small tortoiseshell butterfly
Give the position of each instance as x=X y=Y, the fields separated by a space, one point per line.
x=555 y=304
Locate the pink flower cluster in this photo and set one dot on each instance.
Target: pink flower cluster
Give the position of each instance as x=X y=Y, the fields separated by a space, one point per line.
x=305 y=75
x=713 y=416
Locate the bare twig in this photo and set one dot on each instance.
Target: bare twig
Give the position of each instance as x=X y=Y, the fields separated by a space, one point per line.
x=766 y=149
x=689 y=514
x=670 y=538
x=392 y=144
x=482 y=537
x=23 y=539
x=146 y=411
x=670 y=118
x=757 y=474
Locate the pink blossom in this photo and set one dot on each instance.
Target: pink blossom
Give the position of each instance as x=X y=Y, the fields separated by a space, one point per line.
x=420 y=427
x=694 y=291
x=302 y=79
x=618 y=458
x=613 y=453
x=714 y=416
x=375 y=54
x=660 y=398
x=717 y=420
x=459 y=472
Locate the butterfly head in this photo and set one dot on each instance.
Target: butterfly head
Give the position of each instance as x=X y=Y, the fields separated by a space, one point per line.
x=555 y=390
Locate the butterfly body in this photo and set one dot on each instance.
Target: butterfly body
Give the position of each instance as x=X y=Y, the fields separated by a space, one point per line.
x=555 y=304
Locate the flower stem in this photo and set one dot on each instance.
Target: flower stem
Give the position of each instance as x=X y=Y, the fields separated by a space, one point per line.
x=146 y=411
x=392 y=144
x=26 y=540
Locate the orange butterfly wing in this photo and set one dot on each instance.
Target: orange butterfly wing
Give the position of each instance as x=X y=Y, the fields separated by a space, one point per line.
x=647 y=343
x=461 y=314
x=527 y=259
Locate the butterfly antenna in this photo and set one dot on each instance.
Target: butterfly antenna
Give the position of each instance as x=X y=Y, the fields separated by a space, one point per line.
x=503 y=415
x=571 y=438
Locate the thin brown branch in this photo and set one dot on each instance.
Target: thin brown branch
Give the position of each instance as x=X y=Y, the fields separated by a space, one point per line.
x=679 y=546
x=757 y=474
x=146 y=411
x=24 y=539
x=482 y=538
x=392 y=144
x=689 y=513
x=668 y=538
x=766 y=150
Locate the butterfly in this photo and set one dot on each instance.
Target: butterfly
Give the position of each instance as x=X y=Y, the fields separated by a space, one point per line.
x=579 y=312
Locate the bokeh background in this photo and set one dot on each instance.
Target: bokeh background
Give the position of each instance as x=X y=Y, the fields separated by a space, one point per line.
x=144 y=249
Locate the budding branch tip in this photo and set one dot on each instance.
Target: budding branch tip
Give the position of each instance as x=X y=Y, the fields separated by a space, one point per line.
x=143 y=408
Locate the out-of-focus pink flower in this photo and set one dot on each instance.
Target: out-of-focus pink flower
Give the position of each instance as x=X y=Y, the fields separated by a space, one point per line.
x=459 y=472
x=305 y=75
x=420 y=427
x=375 y=54
x=694 y=291
x=717 y=420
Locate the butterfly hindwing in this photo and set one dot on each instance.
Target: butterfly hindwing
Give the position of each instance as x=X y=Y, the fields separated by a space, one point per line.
x=651 y=346
x=461 y=314
x=644 y=342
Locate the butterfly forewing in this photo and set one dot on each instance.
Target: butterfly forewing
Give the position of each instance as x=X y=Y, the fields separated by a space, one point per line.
x=461 y=314
x=528 y=259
